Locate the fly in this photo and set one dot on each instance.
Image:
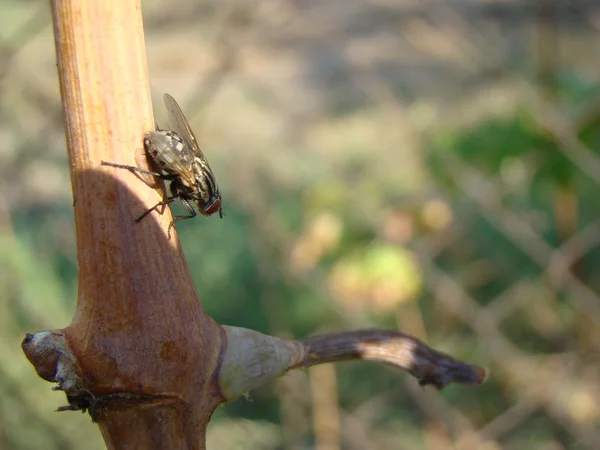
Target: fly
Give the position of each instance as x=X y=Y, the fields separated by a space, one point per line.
x=181 y=162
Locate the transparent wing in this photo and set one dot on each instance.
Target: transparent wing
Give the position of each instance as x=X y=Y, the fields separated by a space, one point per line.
x=181 y=126
x=162 y=147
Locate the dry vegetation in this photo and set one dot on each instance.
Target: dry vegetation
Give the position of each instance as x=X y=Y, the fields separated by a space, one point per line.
x=426 y=165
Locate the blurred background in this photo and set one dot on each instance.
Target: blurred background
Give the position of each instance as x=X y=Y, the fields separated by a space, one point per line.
x=426 y=165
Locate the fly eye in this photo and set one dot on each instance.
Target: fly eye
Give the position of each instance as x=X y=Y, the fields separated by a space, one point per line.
x=213 y=208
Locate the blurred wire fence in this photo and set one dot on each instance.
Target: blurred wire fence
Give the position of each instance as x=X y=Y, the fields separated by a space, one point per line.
x=429 y=165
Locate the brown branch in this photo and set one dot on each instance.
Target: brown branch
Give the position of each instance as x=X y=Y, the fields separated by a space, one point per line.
x=139 y=354
x=429 y=366
x=253 y=358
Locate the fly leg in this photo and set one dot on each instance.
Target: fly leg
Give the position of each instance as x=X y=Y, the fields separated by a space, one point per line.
x=137 y=169
x=189 y=208
x=169 y=200
x=175 y=194
x=147 y=172
x=163 y=203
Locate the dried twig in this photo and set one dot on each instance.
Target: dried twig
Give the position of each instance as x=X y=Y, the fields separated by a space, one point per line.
x=253 y=358
x=429 y=366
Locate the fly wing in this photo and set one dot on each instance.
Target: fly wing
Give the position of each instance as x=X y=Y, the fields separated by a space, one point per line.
x=181 y=126
x=171 y=155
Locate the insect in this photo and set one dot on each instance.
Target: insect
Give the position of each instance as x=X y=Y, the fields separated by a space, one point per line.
x=181 y=162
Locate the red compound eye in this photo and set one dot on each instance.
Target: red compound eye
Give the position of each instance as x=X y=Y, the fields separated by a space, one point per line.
x=216 y=206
